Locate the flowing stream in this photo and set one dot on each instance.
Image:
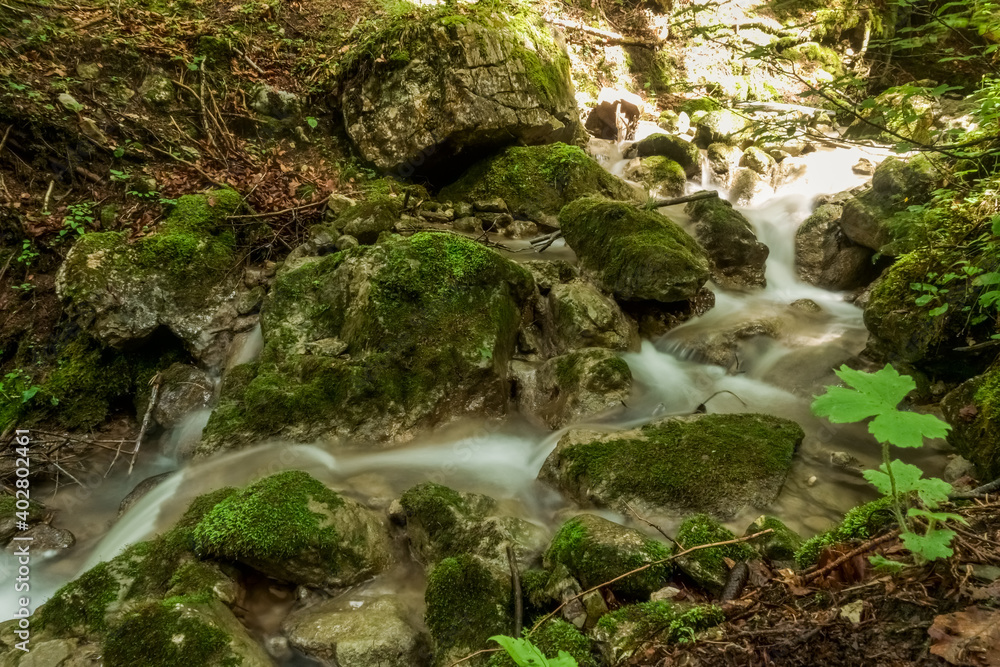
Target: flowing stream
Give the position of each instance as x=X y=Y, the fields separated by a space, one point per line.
x=776 y=376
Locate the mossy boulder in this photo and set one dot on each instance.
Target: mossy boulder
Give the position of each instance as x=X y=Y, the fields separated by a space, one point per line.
x=737 y=259
x=443 y=523
x=662 y=176
x=374 y=342
x=293 y=528
x=582 y=316
x=778 y=546
x=860 y=523
x=467 y=603
x=573 y=387
x=179 y=278
x=973 y=410
x=719 y=464
x=707 y=567
x=623 y=632
x=378 y=634
x=553 y=636
x=369 y=219
x=675 y=149
x=595 y=550
x=458 y=81
x=537 y=181
x=722 y=126
x=826 y=257
x=636 y=255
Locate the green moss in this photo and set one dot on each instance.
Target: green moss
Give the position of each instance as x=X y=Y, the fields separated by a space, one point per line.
x=467 y=604
x=663 y=621
x=822 y=56
x=270 y=520
x=781 y=544
x=81 y=606
x=639 y=254
x=166 y=634
x=194 y=236
x=704 y=104
x=702 y=529
x=536 y=181
x=453 y=522
x=553 y=636
x=860 y=523
x=659 y=172
x=595 y=551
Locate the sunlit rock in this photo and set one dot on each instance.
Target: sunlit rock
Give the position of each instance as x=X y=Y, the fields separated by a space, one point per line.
x=735 y=255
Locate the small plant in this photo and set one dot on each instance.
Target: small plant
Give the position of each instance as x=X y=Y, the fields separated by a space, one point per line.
x=23 y=287
x=877 y=396
x=28 y=253
x=526 y=654
x=16 y=386
x=77 y=217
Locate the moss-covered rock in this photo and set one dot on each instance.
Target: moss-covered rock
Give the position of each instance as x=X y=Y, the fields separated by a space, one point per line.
x=595 y=550
x=973 y=410
x=737 y=259
x=584 y=317
x=779 y=545
x=722 y=126
x=458 y=80
x=578 y=385
x=636 y=255
x=443 y=523
x=860 y=523
x=718 y=464
x=553 y=636
x=376 y=341
x=675 y=149
x=467 y=603
x=826 y=257
x=622 y=632
x=178 y=278
x=292 y=527
x=537 y=181
x=662 y=176
x=707 y=567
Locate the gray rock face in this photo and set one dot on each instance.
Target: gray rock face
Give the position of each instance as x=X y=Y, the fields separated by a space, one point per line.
x=468 y=85
x=576 y=386
x=378 y=634
x=584 y=317
x=826 y=257
x=736 y=257
x=183 y=389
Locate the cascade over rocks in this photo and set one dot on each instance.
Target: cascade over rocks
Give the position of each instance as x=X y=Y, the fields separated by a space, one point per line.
x=462 y=84
x=735 y=255
x=718 y=464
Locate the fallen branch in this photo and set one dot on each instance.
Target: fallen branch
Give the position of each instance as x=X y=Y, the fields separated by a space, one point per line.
x=608 y=36
x=698 y=196
x=3 y=142
x=249 y=62
x=155 y=383
x=283 y=211
x=867 y=546
x=542 y=243
x=977 y=492
x=649 y=523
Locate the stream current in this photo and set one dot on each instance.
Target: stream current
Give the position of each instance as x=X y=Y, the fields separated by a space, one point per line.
x=774 y=376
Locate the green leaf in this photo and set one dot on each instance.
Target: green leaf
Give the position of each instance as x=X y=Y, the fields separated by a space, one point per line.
x=312 y=122
x=521 y=651
x=909 y=479
x=924 y=299
x=932 y=546
x=907 y=429
x=940 y=310
x=937 y=516
x=874 y=394
x=564 y=659
x=991 y=278
x=995 y=225
x=29 y=394
x=880 y=562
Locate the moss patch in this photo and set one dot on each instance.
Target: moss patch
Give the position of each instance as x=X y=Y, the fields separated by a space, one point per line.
x=860 y=523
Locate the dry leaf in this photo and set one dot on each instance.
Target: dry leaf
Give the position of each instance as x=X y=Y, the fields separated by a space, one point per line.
x=970 y=637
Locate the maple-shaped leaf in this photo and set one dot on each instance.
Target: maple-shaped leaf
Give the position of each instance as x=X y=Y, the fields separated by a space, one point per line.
x=937 y=516
x=932 y=546
x=907 y=429
x=909 y=479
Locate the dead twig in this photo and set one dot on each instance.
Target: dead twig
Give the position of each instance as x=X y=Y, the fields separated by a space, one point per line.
x=155 y=384
x=3 y=142
x=698 y=196
x=867 y=546
x=608 y=37
x=649 y=523
x=283 y=211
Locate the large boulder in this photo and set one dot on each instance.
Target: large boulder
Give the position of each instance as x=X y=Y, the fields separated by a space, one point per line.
x=679 y=150
x=378 y=634
x=973 y=410
x=537 y=181
x=735 y=255
x=584 y=317
x=374 y=342
x=458 y=83
x=826 y=257
x=179 y=278
x=660 y=175
x=595 y=550
x=718 y=464
x=636 y=255
x=723 y=126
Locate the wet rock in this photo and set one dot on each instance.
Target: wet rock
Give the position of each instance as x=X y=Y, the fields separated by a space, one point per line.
x=549 y=273
x=9 y=519
x=662 y=176
x=634 y=254
x=495 y=205
x=183 y=389
x=595 y=550
x=678 y=150
x=675 y=123
x=45 y=538
x=718 y=464
x=430 y=324
x=656 y=319
x=378 y=634
x=756 y=159
x=957 y=468
x=826 y=257
x=367 y=220
x=494 y=221
x=577 y=386
x=735 y=255
x=748 y=187
x=179 y=278
x=303 y=532
x=723 y=160
x=468 y=225
x=464 y=87
x=584 y=317
x=973 y=410
x=270 y=101
x=722 y=126
x=535 y=182
x=845 y=461
x=615 y=112
x=726 y=346
x=520 y=229
x=249 y=302
x=345 y=242
x=443 y=523
x=140 y=490
x=864 y=167
x=778 y=546
x=707 y=567
x=805 y=371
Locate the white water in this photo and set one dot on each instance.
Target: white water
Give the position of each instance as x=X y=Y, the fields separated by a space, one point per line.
x=776 y=376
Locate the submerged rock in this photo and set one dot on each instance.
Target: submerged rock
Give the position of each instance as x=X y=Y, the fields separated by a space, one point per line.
x=378 y=634
x=718 y=464
x=460 y=84
x=537 y=181
x=179 y=278
x=376 y=341
x=576 y=386
x=595 y=550
x=737 y=259
x=635 y=254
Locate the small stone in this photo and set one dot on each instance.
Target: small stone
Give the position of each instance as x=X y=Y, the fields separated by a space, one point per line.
x=852 y=611
x=864 y=167
x=157 y=90
x=520 y=229
x=806 y=306
x=69 y=102
x=495 y=205
x=986 y=573
x=88 y=71
x=844 y=460
x=437 y=216
x=463 y=209
x=280 y=104
x=468 y=224
x=958 y=468
x=665 y=593
x=812 y=481
x=346 y=241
